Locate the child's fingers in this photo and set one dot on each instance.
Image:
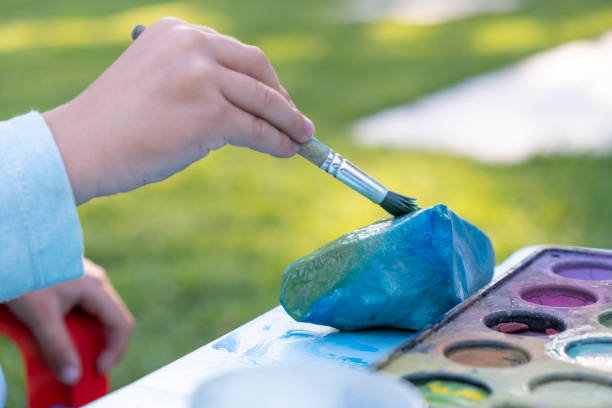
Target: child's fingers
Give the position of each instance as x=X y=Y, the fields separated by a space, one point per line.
x=52 y=336
x=246 y=59
x=261 y=101
x=255 y=133
x=105 y=304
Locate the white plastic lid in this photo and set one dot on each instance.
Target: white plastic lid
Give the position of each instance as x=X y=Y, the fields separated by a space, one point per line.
x=311 y=386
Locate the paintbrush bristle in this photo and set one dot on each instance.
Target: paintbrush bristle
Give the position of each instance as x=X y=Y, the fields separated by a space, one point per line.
x=396 y=204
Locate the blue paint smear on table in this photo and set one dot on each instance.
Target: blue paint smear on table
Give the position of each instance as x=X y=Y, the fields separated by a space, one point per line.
x=259 y=350
x=228 y=343
x=275 y=337
x=291 y=334
x=349 y=349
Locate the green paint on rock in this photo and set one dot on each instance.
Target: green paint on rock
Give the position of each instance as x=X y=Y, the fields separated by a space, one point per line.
x=404 y=272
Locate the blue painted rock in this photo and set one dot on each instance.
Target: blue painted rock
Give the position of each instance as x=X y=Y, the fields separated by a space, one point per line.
x=404 y=272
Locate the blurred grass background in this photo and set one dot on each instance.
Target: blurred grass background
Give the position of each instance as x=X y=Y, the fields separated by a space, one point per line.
x=199 y=254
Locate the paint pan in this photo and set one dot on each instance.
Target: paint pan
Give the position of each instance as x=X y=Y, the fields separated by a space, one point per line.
x=449 y=391
x=537 y=337
x=573 y=390
x=584 y=271
x=524 y=323
x=605 y=319
x=595 y=354
x=486 y=354
x=558 y=296
x=591 y=350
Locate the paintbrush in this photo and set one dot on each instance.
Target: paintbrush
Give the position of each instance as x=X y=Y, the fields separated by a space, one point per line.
x=325 y=158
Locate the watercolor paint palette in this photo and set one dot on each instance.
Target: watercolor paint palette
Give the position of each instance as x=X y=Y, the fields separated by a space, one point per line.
x=540 y=337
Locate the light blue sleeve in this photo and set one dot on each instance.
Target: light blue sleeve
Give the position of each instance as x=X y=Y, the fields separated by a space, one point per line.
x=41 y=243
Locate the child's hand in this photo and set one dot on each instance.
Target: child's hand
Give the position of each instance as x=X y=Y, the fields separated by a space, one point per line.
x=175 y=94
x=43 y=312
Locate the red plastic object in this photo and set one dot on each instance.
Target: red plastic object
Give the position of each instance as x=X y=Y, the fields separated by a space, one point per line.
x=43 y=390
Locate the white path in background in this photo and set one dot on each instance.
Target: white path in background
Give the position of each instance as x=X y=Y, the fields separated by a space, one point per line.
x=556 y=101
x=421 y=11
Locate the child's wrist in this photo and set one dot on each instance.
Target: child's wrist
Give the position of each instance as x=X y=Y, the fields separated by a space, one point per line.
x=76 y=149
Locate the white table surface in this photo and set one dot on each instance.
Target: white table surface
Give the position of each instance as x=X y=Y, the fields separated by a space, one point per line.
x=272 y=338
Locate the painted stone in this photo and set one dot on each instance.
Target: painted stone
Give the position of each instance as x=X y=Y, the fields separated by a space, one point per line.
x=404 y=272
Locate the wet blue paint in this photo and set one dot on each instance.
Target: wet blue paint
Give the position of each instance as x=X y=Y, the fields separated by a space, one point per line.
x=591 y=350
x=595 y=353
x=298 y=333
x=354 y=361
x=228 y=343
x=258 y=350
x=275 y=337
x=351 y=349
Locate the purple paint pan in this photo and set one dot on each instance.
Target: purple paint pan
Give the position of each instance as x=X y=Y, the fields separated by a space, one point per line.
x=540 y=336
x=590 y=271
x=558 y=296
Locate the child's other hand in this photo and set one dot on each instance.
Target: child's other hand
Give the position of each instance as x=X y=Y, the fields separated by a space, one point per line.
x=43 y=311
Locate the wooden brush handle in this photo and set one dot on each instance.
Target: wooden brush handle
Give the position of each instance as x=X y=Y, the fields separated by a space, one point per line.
x=314 y=151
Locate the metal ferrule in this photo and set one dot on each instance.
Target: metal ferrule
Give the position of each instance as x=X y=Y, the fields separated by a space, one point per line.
x=356 y=179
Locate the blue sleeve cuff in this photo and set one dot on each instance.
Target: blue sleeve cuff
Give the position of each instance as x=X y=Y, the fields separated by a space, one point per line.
x=41 y=243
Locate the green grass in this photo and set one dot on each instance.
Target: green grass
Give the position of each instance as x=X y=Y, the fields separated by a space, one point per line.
x=203 y=252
